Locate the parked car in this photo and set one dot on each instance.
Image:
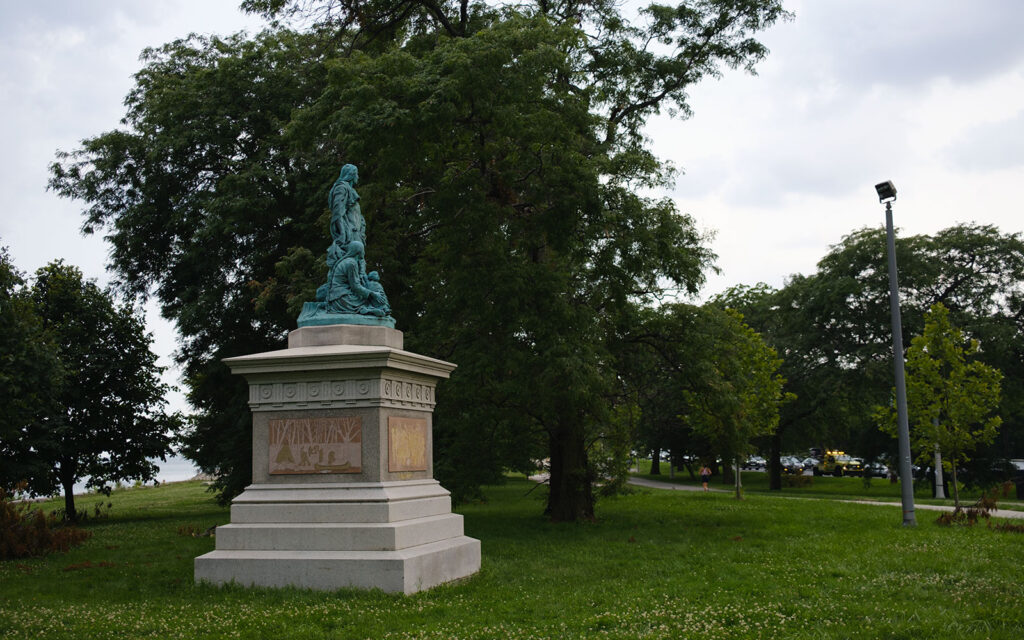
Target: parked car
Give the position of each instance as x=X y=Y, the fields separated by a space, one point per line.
x=810 y=462
x=876 y=469
x=792 y=465
x=754 y=463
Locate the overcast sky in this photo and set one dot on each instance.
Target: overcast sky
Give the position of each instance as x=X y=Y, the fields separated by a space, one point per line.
x=926 y=93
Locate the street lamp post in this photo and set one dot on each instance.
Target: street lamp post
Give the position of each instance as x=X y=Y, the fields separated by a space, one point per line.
x=886 y=195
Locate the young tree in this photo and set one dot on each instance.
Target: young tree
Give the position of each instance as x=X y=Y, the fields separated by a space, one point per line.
x=716 y=384
x=502 y=153
x=105 y=419
x=950 y=395
x=737 y=391
x=781 y=317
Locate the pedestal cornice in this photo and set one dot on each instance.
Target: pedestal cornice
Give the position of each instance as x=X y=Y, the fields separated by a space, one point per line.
x=338 y=358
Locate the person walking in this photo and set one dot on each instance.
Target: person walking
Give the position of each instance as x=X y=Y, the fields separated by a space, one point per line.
x=705 y=476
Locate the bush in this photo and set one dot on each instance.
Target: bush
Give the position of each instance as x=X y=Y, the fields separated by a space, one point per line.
x=987 y=503
x=797 y=481
x=26 y=532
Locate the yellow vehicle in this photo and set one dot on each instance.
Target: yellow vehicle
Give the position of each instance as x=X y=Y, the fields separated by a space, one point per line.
x=837 y=463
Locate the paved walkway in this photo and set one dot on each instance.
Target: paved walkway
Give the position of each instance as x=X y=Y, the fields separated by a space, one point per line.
x=655 y=484
x=671 y=486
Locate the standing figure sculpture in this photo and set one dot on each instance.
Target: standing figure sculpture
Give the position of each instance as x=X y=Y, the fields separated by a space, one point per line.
x=349 y=296
x=347 y=222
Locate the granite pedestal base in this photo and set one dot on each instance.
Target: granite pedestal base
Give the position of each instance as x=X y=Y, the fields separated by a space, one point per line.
x=370 y=515
x=396 y=536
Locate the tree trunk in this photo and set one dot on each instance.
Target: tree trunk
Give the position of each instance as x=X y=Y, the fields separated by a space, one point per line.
x=656 y=462
x=67 y=482
x=956 y=491
x=775 y=464
x=739 y=485
x=939 y=490
x=727 y=474
x=570 y=495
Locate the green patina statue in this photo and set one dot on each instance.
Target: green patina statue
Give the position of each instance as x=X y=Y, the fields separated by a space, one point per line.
x=350 y=295
x=347 y=222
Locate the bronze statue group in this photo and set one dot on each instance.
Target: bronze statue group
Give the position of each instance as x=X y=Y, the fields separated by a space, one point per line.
x=349 y=289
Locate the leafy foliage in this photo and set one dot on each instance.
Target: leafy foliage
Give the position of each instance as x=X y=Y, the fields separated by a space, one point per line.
x=950 y=395
x=202 y=197
x=501 y=151
x=103 y=418
x=611 y=451
x=738 y=391
x=981 y=509
x=708 y=384
x=831 y=328
x=30 y=374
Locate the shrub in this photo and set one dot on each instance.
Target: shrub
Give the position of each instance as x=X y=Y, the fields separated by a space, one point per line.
x=99 y=512
x=793 y=480
x=196 y=531
x=980 y=509
x=26 y=532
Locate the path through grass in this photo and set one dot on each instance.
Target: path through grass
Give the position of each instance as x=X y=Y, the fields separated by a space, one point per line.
x=828 y=487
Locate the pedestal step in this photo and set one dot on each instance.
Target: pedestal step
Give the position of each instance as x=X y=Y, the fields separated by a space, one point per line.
x=335 y=512
x=403 y=571
x=340 y=503
x=335 y=536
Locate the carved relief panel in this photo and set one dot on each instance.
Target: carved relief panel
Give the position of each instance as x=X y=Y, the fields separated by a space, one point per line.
x=407 y=444
x=315 y=445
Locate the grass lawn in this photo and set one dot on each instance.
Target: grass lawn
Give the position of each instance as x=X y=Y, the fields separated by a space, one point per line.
x=657 y=564
x=828 y=487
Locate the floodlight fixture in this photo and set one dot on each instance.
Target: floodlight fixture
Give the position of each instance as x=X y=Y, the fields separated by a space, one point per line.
x=886 y=191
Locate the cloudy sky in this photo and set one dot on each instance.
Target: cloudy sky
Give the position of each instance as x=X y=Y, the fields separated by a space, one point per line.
x=926 y=93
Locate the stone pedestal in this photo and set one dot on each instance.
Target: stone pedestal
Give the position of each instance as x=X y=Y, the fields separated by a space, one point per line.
x=343 y=493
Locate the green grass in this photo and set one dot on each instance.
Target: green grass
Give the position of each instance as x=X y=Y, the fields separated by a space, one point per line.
x=657 y=564
x=852 y=488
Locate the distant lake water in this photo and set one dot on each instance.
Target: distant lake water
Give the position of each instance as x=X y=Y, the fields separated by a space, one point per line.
x=175 y=469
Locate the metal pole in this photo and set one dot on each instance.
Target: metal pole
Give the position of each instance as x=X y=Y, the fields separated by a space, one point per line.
x=906 y=477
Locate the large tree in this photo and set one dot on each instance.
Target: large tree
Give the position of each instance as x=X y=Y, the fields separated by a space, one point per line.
x=105 y=419
x=501 y=150
x=201 y=195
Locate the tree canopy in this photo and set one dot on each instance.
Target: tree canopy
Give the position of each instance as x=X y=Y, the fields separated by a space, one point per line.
x=706 y=383
x=832 y=327
x=502 y=157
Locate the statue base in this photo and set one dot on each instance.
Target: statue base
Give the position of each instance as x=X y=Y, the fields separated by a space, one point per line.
x=313 y=315
x=343 y=493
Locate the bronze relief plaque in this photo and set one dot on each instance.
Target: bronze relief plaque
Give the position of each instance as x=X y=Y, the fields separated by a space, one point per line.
x=316 y=445
x=407 y=444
